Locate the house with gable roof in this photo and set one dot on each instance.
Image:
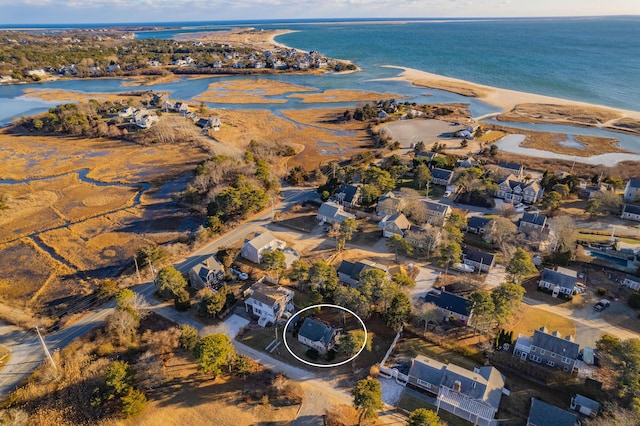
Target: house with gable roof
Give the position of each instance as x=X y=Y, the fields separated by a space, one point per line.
x=480 y=260
x=453 y=306
x=532 y=222
x=441 y=176
x=511 y=189
x=631 y=282
x=331 y=212
x=268 y=303
x=562 y=280
x=389 y=204
x=512 y=168
x=632 y=191
x=631 y=212
x=348 y=195
x=397 y=224
x=548 y=349
x=437 y=213
x=317 y=335
x=208 y=273
x=253 y=249
x=473 y=395
x=584 y=406
x=349 y=272
x=543 y=414
x=479 y=225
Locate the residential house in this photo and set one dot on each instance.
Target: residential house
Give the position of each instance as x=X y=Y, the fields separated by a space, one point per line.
x=543 y=414
x=467 y=162
x=428 y=155
x=512 y=168
x=127 y=112
x=480 y=260
x=389 y=204
x=317 y=335
x=331 y=212
x=585 y=406
x=548 y=349
x=632 y=191
x=453 y=306
x=562 y=280
x=437 y=213
x=479 y=225
x=511 y=189
x=472 y=395
x=168 y=106
x=631 y=282
x=397 y=224
x=181 y=107
x=349 y=272
x=252 y=250
x=441 y=176
x=631 y=212
x=532 y=222
x=209 y=273
x=588 y=190
x=268 y=303
x=425 y=237
x=348 y=195
x=144 y=118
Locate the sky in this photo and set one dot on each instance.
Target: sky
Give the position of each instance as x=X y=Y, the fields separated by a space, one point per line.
x=123 y=11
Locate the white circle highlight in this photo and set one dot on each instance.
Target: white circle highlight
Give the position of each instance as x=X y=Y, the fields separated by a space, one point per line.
x=313 y=364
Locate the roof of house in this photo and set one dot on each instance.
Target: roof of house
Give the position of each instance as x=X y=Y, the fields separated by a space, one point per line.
x=354 y=269
x=433 y=206
x=534 y=218
x=349 y=192
x=586 y=402
x=632 y=278
x=269 y=295
x=634 y=183
x=400 y=221
x=478 y=222
x=631 y=208
x=426 y=154
x=556 y=344
x=443 y=174
x=331 y=209
x=449 y=301
x=427 y=369
x=316 y=331
x=559 y=278
x=543 y=414
x=210 y=264
x=262 y=240
x=510 y=166
x=478 y=256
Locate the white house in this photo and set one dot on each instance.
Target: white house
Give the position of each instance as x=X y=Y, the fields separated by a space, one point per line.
x=331 y=212
x=513 y=190
x=562 y=280
x=632 y=191
x=252 y=250
x=268 y=303
x=631 y=282
x=631 y=212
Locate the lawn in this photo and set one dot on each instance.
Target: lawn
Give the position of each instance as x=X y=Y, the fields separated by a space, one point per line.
x=410 y=347
x=529 y=319
x=410 y=403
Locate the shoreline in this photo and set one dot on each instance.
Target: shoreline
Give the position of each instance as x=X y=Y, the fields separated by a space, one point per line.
x=506 y=99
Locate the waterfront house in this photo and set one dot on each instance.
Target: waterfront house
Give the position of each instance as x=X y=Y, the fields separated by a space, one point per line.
x=532 y=222
x=441 y=176
x=631 y=282
x=632 y=191
x=471 y=395
x=548 y=349
x=252 y=250
x=437 y=213
x=331 y=212
x=348 y=195
x=349 y=272
x=397 y=224
x=317 y=335
x=209 y=274
x=480 y=260
x=268 y=303
x=511 y=189
x=453 y=306
x=543 y=414
x=479 y=225
x=562 y=280
x=512 y=168
x=631 y=212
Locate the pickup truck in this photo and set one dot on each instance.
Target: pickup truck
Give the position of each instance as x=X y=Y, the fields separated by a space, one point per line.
x=602 y=304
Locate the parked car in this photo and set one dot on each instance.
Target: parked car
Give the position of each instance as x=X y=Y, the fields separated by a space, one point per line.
x=602 y=304
x=463 y=267
x=447 y=194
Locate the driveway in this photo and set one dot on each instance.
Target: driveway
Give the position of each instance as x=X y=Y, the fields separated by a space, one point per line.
x=424 y=282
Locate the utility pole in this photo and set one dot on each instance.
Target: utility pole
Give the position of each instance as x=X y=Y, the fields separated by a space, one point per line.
x=153 y=273
x=46 y=350
x=137 y=270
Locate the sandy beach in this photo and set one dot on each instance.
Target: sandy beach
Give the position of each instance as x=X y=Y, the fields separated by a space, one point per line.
x=503 y=98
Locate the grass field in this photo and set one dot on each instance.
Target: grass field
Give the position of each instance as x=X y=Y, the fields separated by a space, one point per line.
x=410 y=403
x=529 y=319
x=410 y=347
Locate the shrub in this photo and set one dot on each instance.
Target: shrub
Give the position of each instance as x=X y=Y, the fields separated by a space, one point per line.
x=312 y=353
x=602 y=291
x=133 y=403
x=634 y=299
x=182 y=301
x=105 y=349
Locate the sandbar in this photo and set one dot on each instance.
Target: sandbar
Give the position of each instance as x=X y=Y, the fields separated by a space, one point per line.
x=344 y=96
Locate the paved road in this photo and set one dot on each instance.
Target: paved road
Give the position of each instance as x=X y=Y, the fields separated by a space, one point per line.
x=25 y=347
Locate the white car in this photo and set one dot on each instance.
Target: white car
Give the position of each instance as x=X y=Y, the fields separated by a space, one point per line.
x=447 y=194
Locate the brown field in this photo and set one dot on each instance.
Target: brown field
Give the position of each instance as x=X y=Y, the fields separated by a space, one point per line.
x=626 y=124
x=263 y=86
x=344 y=96
x=592 y=145
x=25 y=268
x=148 y=80
x=528 y=319
x=560 y=114
x=60 y=95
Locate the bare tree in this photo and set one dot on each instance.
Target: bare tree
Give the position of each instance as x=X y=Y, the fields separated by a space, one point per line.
x=563 y=229
x=428 y=312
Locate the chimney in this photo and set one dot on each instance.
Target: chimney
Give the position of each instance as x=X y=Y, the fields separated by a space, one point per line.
x=570 y=338
x=556 y=334
x=543 y=329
